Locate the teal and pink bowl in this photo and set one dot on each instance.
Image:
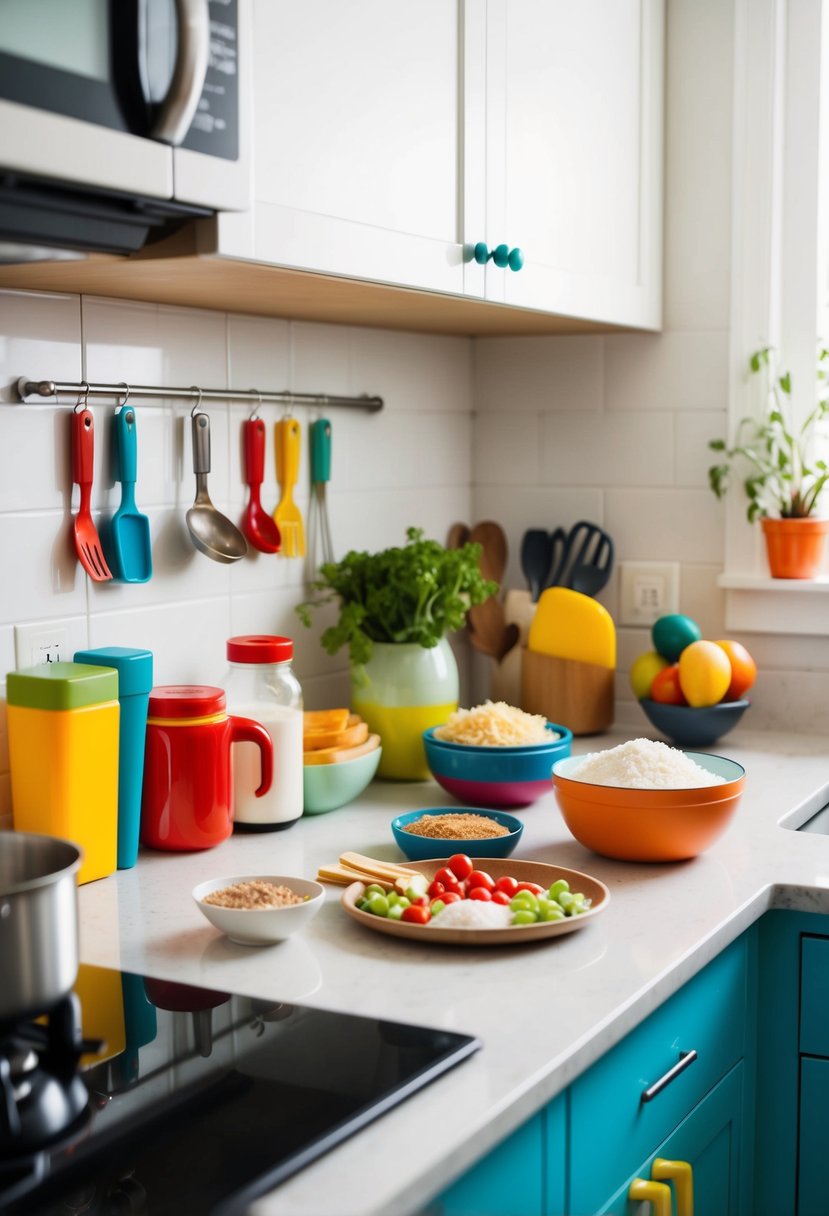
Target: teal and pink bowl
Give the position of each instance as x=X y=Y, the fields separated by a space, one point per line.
x=499 y=777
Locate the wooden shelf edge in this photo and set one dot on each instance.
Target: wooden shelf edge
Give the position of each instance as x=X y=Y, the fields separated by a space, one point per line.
x=176 y=273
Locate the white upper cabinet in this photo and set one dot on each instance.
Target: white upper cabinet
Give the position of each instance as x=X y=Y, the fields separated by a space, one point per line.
x=392 y=138
x=359 y=139
x=574 y=155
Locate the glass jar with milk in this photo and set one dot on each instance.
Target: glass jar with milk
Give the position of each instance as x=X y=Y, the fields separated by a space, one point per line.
x=261 y=685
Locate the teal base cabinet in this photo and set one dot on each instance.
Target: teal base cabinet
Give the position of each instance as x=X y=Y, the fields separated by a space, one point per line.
x=522 y=1176
x=579 y=1155
x=710 y=1139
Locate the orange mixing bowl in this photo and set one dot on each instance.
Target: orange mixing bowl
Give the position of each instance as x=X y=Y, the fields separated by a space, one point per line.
x=648 y=825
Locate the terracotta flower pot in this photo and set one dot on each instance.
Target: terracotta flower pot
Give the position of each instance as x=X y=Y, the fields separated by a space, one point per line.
x=794 y=546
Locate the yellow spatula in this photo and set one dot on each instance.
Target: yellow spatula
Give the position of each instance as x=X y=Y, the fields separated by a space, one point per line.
x=287 y=514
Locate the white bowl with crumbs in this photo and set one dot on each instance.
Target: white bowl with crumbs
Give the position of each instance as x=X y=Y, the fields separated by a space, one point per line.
x=259 y=909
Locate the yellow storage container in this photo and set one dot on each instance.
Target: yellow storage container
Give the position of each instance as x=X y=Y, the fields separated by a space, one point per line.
x=63 y=749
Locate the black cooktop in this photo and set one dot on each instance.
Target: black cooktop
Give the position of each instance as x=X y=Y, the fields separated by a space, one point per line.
x=186 y=1100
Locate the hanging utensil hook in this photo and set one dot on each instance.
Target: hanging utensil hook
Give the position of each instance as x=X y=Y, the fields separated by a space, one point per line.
x=122 y=404
x=83 y=397
x=195 y=389
x=255 y=411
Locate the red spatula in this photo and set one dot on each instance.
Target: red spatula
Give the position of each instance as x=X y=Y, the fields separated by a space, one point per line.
x=87 y=541
x=257 y=523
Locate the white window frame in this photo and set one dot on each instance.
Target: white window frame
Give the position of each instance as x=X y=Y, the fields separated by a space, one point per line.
x=779 y=267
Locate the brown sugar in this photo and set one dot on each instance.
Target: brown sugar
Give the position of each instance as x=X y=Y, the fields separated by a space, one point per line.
x=254 y=894
x=461 y=826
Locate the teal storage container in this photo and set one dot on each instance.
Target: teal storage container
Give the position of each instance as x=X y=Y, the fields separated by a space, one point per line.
x=135 y=679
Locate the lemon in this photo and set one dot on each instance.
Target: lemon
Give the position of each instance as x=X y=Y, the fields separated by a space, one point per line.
x=704 y=673
x=642 y=671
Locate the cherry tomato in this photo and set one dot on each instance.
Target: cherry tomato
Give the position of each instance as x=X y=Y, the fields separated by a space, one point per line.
x=480 y=893
x=529 y=886
x=417 y=915
x=498 y=897
x=421 y=901
x=447 y=878
x=460 y=865
x=451 y=897
x=480 y=878
x=436 y=889
x=507 y=884
x=666 y=687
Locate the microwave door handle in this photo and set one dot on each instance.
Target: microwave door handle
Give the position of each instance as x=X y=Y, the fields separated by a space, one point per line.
x=185 y=90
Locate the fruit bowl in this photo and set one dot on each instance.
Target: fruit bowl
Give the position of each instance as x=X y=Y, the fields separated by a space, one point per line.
x=649 y=824
x=496 y=776
x=690 y=727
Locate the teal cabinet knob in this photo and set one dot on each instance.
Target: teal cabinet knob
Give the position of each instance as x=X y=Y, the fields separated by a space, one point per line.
x=516 y=259
x=501 y=255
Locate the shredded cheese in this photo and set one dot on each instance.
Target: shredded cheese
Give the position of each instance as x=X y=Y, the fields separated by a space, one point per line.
x=495 y=724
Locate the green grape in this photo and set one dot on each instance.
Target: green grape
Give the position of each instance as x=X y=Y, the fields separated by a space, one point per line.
x=378 y=905
x=524 y=916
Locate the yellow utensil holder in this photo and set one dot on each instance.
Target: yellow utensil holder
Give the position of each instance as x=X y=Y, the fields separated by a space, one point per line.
x=63 y=750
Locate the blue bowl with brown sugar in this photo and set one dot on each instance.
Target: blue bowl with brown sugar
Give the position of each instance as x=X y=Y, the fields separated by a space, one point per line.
x=418 y=847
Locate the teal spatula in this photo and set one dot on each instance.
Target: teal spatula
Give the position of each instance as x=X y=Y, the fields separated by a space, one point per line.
x=129 y=550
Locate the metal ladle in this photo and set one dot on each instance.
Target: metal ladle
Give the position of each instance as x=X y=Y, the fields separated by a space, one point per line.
x=211 y=532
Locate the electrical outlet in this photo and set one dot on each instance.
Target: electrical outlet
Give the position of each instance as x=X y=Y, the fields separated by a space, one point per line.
x=40 y=642
x=647 y=591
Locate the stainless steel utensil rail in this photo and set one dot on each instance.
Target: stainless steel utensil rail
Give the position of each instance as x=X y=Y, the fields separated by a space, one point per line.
x=34 y=391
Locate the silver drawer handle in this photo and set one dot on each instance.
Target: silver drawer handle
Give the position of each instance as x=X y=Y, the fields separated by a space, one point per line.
x=686 y=1058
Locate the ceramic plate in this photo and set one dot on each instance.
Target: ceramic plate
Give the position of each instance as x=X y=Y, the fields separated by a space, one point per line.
x=524 y=871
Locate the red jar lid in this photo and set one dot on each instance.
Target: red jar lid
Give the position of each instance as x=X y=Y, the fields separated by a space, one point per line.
x=185 y=701
x=259 y=648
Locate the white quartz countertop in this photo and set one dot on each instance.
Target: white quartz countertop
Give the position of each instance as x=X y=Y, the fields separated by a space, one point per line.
x=544 y=1012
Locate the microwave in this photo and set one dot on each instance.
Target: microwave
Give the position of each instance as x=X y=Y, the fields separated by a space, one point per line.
x=119 y=120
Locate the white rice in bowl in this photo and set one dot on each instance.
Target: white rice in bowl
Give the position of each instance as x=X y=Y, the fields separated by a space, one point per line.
x=643 y=764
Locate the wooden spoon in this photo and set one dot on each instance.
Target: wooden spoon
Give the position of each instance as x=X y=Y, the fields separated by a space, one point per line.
x=489 y=631
x=492 y=539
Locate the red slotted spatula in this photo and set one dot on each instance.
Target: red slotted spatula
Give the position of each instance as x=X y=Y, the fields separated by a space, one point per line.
x=87 y=541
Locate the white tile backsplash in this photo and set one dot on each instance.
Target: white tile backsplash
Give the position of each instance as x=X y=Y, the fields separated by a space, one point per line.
x=609 y=449
x=667 y=371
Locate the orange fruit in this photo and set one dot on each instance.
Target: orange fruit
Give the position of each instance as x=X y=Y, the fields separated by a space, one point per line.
x=743 y=670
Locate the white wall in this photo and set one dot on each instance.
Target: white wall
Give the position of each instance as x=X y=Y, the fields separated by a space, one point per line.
x=409 y=464
x=610 y=428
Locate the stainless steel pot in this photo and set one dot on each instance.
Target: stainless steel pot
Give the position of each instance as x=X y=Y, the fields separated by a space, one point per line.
x=38 y=922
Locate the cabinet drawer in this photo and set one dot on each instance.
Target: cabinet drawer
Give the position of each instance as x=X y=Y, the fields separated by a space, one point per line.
x=814 y=996
x=611 y=1126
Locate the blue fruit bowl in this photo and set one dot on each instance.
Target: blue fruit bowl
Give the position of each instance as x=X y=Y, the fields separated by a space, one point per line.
x=423 y=848
x=496 y=776
x=689 y=727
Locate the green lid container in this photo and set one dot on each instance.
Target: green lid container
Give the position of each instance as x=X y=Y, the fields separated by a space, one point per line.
x=61 y=686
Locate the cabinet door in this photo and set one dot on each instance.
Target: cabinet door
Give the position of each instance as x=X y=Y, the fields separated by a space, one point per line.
x=813 y=1161
x=368 y=120
x=574 y=162
x=710 y=1140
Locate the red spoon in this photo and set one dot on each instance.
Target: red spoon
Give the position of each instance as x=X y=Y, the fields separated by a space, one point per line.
x=258 y=524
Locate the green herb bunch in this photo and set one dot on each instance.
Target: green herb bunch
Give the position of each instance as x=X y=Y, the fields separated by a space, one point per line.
x=781 y=478
x=416 y=593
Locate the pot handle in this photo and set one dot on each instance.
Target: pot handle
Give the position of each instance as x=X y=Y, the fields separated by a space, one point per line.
x=245 y=730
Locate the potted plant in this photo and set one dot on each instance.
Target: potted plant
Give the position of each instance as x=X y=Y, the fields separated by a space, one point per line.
x=783 y=481
x=395 y=609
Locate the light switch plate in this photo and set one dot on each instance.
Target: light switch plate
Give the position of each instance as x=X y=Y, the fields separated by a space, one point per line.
x=648 y=590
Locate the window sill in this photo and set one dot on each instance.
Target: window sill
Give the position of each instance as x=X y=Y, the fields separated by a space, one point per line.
x=760 y=604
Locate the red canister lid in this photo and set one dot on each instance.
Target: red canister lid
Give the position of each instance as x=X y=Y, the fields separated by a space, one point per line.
x=185 y=701
x=259 y=648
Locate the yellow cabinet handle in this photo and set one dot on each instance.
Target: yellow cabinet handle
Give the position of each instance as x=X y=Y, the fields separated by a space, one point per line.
x=683 y=1179
x=642 y=1190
